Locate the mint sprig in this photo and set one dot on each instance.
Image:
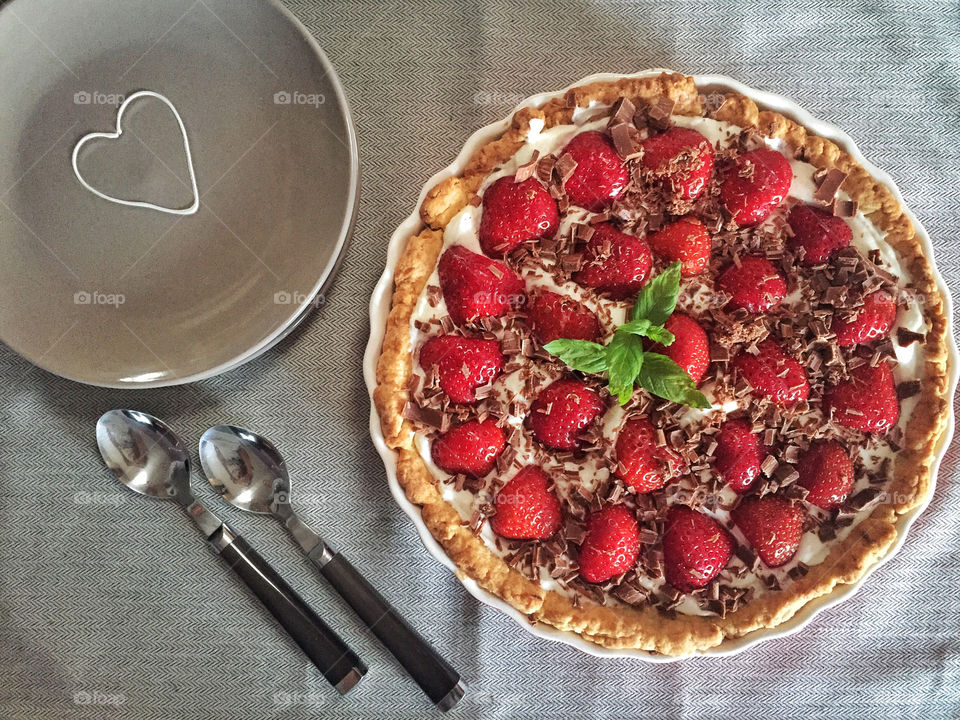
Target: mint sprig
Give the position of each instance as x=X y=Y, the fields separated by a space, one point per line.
x=624 y=359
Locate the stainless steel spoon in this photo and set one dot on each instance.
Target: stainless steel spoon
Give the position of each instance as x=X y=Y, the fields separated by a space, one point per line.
x=146 y=456
x=249 y=472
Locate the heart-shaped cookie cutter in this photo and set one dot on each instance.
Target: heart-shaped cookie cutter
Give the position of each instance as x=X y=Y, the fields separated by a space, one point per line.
x=116 y=134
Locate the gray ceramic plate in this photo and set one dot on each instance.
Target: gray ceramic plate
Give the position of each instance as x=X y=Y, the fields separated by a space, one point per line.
x=125 y=296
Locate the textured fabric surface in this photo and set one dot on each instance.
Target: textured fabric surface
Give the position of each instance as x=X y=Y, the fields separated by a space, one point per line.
x=111 y=607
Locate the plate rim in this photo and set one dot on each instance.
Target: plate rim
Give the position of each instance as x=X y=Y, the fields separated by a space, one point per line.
x=379 y=308
x=299 y=312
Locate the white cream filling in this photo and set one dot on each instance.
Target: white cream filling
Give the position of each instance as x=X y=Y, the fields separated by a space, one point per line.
x=463 y=230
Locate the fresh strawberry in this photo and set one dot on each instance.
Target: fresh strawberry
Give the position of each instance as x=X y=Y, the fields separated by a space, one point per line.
x=475 y=286
x=773 y=374
x=562 y=411
x=867 y=401
x=683 y=157
x=739 y=454
x=758 y=181
x=754 y=284
x=690 y=349
x=470 y=448
x=526 y=508
x=554 y=316
x=772 y=525
x=641 y=463
x=819 y=233
x=686 y=240
x=614 y=262
x=695 y=548
x=515 y=212
x=874 y=319
x=463 y=364
x=611 y=544
x=600 y=176
x=826 y=471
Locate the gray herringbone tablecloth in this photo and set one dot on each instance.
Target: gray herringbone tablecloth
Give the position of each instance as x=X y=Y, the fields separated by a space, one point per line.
x=111 y=607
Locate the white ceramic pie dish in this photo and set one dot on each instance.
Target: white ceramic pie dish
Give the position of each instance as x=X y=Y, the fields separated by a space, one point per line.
x=380 y=307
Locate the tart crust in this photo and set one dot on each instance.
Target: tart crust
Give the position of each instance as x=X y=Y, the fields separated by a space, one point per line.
x=648 y=628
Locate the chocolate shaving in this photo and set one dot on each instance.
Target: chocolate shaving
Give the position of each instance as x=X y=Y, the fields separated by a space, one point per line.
x=829 y=186
x=528 y=169
x=906 y=337
x=565 y=167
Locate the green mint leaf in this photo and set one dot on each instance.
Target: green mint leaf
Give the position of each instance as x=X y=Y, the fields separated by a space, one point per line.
x=658 y=298
x=582 y=355
x=662 y=377
x=635 y=327
x=659 y=334
x=624 y=360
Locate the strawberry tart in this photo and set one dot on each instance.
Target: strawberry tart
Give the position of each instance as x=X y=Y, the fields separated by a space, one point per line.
x=661 y=368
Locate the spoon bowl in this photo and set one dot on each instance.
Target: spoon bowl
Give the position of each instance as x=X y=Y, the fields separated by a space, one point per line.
x=144 y=454
x=245 y=469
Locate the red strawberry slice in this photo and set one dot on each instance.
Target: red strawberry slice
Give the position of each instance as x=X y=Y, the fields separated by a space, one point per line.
x=874 y=319
x=773 y=374
x=826 y=471
x=562 y=411
x=683 y=157
x=686 y=240
x=554 y=316
x=739 y=454
x=614 y=262
x=641 y=463
x=690 y=349
x=463 y=364
x=754 y=284
x=475 y=286
x=526 y=508
x=470 y=448
x=600 y=176
x=867 y=401
x=818 y=233
x=695 y=548
x=514 y=213
x=772 y=525
x=758 y=181
x=611 y=544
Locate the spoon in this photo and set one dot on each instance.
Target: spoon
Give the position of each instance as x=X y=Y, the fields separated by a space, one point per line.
x=249 y=472
x=148 y=458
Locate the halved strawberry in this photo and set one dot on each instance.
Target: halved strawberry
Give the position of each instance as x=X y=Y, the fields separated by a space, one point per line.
x=773 y=525
x=475 y=286
x=867 y=401
x=690 y=349
x=754 y=284
x=695 y=548
x=463 y=364
x=562 y=411
x=526 y=508
x=611 y=544
x=600 y=176
x=758 y=181
x=470 y=448
x=614 y=262
x=514 y=213
x=874 y=319
x=686 y=240
x=683 y=158
x=826 y=471
x=819 y=233
x=773 y=374
x=554 y=316
x=641 y=463
x=739 y=454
